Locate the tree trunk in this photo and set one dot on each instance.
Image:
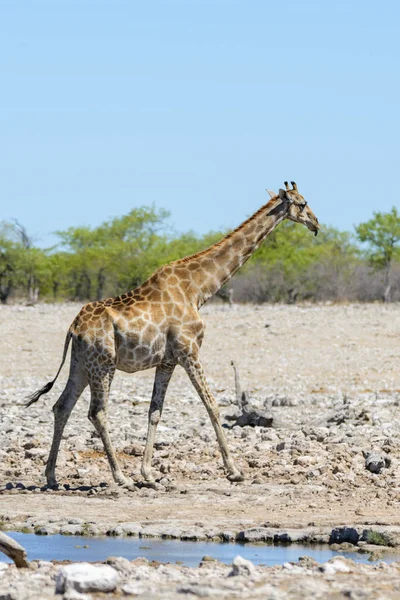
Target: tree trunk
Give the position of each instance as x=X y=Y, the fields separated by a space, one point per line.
x=87 y=289
x=6 y=284
x=101 y=280
x=13 y=550
x=56 y=285
x=388 y=283
x=33 y=291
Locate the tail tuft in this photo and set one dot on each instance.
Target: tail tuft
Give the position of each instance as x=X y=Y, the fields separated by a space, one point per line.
x=36 y=395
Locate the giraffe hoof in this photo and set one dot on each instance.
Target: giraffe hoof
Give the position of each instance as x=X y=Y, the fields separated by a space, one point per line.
x=236 y=476
x=126 y=482
x=149 y=483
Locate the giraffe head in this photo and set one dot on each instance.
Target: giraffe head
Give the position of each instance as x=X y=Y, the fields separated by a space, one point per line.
x=298 y=208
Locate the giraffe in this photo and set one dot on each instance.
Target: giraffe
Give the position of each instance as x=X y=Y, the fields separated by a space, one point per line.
x=158 y=324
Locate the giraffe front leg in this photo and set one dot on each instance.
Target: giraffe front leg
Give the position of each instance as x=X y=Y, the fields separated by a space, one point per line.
x=161 y=381
x=195 y=371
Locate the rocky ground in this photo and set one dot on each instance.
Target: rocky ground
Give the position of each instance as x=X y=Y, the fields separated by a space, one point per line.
x=338 y=578
x=326 y=375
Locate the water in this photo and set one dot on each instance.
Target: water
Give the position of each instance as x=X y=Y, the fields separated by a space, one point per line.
x=62 y=547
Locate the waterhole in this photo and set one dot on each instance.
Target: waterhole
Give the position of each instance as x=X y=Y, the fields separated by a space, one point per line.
x=79 y=548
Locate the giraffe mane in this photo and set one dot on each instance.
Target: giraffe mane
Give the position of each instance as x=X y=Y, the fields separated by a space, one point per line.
x=231 y=233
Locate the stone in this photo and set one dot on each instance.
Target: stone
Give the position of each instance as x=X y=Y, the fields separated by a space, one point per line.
x=135 y=589
x=194 y=534
x=340 y=535
x=84 y=577
x=255 y=534
x=308 y=562
x=337 y=565
x=227 y=536
x=116 y=531
x=8 y=595
x=375 y=462
x=119 y=563
x=134 y=450
x=35 y=453
x=71 y=530
x=75 y=521
x=251 y=416
x=242 y=566
x=200 y=590
x=207 y=558
x=46 y=530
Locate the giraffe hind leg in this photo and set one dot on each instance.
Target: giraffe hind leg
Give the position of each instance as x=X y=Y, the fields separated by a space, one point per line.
x=62 y=410
x=99 y=388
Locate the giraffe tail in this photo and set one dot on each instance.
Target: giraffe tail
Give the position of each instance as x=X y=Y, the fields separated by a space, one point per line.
x=46 y=388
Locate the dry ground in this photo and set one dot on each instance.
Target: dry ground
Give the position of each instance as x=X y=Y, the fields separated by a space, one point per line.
x=328 y=374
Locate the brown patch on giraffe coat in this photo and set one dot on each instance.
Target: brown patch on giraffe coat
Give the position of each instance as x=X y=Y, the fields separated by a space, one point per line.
x=156 y=295
x=185 y=285
x=146 y=290
x=165 y=296
x=193 y=266
x=173 y=280
x=178 y=296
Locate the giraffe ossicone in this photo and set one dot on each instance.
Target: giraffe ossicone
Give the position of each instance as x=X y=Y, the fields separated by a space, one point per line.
x=159 y=325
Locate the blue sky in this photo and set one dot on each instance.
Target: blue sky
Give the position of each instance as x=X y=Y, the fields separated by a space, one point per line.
x=196 y=106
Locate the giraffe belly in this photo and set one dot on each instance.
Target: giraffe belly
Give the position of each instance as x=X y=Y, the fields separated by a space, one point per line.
x=131 y=365
x=135 y=355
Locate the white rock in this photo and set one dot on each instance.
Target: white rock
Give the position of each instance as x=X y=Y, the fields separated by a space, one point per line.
x=242 y=566
x=336 y=565
x=134 y=589
x=84 y=577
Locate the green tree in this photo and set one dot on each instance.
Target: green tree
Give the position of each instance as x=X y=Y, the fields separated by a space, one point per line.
x=382 y=234
x=115 y=256
x=22 y=266
x=31 y=262
x=8 y=262
x=292 y=264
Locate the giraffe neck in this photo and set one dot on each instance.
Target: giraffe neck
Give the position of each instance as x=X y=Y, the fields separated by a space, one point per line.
x=214 y=267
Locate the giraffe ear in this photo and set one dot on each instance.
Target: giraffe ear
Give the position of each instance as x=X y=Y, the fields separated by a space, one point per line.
x=271 y=193
x=284 y=196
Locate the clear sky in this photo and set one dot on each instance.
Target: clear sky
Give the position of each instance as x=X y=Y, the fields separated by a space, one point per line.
x=196 y=106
